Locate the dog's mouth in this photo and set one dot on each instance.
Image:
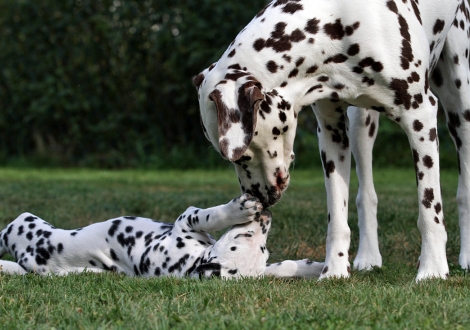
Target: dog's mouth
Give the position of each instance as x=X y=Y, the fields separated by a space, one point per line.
x=272 y=199
x=268 y=198
x=267 y=186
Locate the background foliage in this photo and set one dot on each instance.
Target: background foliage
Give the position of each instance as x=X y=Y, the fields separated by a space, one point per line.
x=108 y=83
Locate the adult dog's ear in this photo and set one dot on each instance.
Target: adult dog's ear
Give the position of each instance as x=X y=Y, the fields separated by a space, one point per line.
x=197 y=80
x=237 y=125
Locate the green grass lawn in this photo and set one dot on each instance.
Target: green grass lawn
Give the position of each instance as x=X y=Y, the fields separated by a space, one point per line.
x=382 y=299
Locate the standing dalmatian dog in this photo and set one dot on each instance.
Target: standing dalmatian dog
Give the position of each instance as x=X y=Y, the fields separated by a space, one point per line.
x=332 y=54
x=144 y=247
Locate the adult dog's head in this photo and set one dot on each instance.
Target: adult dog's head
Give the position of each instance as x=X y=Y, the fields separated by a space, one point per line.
x=251 y=127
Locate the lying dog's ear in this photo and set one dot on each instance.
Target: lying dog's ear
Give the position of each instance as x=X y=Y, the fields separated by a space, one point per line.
x=209 y=270
x=237 y=125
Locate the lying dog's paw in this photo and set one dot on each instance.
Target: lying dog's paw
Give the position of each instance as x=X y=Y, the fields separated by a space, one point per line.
x=246 y=206
x=248 y=202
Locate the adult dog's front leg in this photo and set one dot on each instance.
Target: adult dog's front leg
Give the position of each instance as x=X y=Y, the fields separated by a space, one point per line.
x=336 y=158
x=239 y=210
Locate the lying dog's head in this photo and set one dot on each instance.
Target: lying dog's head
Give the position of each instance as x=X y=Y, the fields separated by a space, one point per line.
x=241 y=251
x=251 y=127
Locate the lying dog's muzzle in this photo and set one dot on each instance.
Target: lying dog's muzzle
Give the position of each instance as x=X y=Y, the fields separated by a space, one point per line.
x=268 y=196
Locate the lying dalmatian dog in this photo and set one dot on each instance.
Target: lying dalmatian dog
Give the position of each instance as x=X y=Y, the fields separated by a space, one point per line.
x=376 y=55
x=144 y=247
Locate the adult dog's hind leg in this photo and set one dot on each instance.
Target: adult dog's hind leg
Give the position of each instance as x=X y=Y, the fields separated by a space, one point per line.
x=451 y=82
x=420 y=125
x=363 y=126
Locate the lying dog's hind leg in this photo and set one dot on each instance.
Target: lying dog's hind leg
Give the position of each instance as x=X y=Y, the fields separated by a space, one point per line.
x=239 y=210
x=295 y=268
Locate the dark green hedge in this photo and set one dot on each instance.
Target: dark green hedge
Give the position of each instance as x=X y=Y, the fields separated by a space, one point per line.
x=108 y=83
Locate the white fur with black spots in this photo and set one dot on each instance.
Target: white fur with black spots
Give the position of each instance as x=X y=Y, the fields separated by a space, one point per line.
x=381 y=55
x=144 y=247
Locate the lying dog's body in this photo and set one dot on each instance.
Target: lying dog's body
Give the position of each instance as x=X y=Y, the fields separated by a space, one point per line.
x=144 y=247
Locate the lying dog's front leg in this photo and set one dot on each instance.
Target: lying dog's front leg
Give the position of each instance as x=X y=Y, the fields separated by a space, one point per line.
x=239 y=210
x=336 y=158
